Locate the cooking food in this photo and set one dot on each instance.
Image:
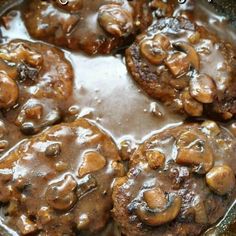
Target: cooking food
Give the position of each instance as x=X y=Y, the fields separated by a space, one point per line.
x=117 y=118
x=186 y=67
x=180 y=181
x=34 y=78
x=162 y=8
x=59 y=182
x=96 y=27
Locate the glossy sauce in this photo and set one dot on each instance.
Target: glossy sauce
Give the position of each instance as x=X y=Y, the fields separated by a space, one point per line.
x=104 y=91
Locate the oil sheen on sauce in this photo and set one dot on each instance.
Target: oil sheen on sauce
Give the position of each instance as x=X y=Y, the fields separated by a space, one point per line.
x=105 y=93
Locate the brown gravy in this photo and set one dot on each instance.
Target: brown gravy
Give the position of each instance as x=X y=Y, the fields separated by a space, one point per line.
x=104 y=91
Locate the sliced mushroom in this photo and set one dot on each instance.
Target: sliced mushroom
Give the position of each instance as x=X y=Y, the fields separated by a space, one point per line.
x=192 y=55
x=194 y=150
x=9 y=91
x=21 y=52
x=44 y=215
x=210 y=127
x=221 y=179
x=156 y=217
x=202 y=88
x=163 y=41
x=191 y=106
x=178 y=63
x=61 y=195
x=31 y=110
x=115 y=20
x=36 y=115
x=154 y=50
x=155 y=159
x=25 y=225
x=92 y=161
x=194 y=38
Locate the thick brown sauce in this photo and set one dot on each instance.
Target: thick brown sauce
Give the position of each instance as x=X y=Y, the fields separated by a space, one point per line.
x=104 y=91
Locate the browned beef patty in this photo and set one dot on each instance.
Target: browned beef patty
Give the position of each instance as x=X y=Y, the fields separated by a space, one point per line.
x=94 y=26
x=186 y=67
x=35 y=80
x=59 y=182
x=180 y=181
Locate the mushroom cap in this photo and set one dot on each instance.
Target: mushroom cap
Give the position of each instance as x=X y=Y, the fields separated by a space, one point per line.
x=9 y=91
x=191 y=52
x=202 y=88
x=115 y=20
x=154 y=49
x=156 y=217
x=221 y=179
